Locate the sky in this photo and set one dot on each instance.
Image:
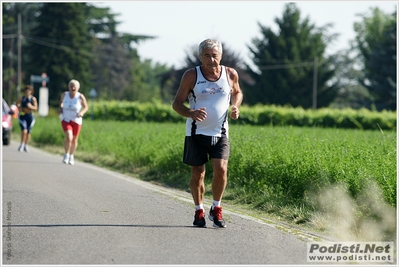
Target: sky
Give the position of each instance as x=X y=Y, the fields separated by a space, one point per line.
x=179 y=25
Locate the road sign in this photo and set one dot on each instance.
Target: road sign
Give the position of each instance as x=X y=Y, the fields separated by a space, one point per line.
x=39 y=79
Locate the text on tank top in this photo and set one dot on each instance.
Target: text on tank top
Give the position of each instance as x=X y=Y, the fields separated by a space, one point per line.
x=214 y=96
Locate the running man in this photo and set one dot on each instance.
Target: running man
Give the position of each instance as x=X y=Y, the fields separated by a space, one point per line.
x=210 y=88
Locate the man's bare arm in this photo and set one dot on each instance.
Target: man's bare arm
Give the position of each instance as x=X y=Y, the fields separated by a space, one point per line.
x=236 y=94
x=186 y=85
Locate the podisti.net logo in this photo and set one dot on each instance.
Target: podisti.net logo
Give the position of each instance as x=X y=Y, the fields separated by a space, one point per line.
x=345 y=252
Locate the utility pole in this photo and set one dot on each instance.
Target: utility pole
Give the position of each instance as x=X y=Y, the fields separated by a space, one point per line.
x=10 y=83
x=19 y=54
x=315 y=67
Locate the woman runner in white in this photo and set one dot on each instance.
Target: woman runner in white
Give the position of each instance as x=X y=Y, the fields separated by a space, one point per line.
x=73 y=106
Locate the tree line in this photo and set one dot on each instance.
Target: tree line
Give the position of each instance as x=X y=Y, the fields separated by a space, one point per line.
x=290 y=66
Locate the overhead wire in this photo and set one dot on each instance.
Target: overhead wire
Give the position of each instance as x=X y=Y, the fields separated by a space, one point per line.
x=52 y=45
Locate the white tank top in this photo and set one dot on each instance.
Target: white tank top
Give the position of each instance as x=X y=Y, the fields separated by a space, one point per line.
x=71 y=108
x=215 y=97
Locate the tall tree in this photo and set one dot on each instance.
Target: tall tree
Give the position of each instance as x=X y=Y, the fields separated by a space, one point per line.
x=105 y=56
x=11 y=11
x=285 y=63
x=376 y=42
x=111 y=68
x=145 y=85
x=60 y=46
x=115 y=55
x=351 y=93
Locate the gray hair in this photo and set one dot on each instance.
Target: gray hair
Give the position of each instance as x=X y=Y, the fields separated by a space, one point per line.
x=209 y=43
x=75 y=82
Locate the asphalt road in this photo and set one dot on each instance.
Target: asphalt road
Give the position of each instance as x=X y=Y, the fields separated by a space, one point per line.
x=61 y=214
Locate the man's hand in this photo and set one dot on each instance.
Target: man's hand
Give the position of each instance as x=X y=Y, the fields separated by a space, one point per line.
x=199 y=114
x=235 y=112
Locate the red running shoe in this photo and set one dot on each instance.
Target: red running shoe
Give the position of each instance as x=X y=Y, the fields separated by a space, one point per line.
x=199 y=218
x=215 y=215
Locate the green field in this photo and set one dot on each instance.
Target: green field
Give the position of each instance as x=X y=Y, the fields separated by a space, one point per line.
x=301 y=176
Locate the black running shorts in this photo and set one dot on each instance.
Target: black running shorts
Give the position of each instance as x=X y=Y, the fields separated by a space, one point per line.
x=197 y=148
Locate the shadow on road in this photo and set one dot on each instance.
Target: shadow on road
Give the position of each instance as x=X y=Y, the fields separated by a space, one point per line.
x=99 y=225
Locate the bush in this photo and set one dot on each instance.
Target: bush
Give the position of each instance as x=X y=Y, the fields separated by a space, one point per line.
x=254 y=115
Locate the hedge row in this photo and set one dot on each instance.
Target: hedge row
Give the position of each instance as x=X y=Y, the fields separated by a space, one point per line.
x=252 y=115
x=324 y=117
